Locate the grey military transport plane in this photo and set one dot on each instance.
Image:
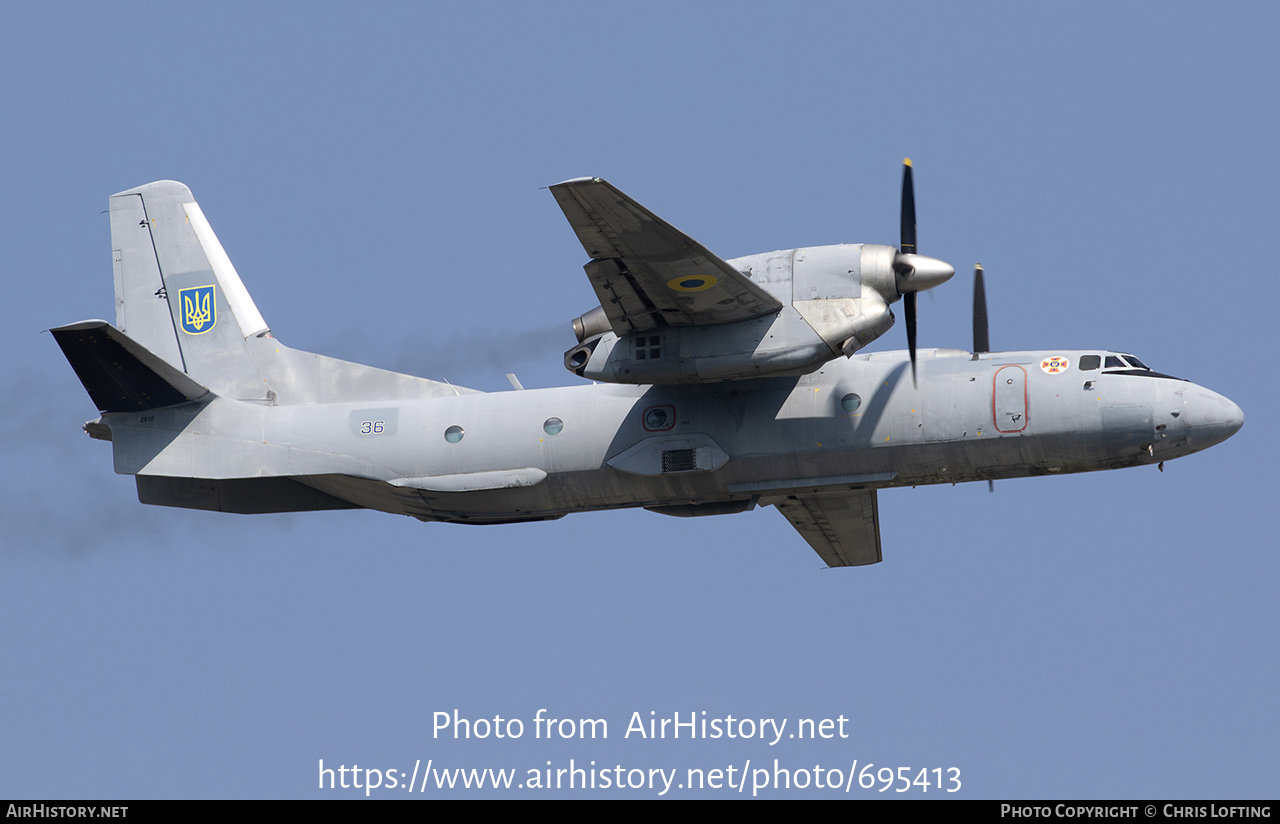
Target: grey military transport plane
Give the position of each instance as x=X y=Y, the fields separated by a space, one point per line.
x=718 y=386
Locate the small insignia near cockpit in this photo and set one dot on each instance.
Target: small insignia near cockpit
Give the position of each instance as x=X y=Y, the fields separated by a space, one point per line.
x=1053 y=365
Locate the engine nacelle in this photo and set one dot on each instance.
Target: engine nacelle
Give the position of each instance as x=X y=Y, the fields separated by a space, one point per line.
x=779 y=344
x=836 y=301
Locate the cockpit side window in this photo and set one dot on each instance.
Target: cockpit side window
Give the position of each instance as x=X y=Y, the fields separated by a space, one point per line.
x=1089 y=362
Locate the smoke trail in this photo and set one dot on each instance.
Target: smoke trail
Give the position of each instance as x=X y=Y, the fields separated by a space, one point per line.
x=60 y=494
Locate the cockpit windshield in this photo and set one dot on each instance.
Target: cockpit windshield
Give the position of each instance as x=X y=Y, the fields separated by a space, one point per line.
x=1121 y=365
x=1122 y=362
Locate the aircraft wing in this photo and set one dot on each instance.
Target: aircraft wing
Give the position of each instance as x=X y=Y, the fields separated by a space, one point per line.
x=843 y=529
x=646 y=272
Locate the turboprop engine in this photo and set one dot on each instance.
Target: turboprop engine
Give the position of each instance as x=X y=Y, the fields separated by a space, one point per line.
x=834 y=300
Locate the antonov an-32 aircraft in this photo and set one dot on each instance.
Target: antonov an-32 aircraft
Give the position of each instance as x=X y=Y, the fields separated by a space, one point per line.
x=716 y=386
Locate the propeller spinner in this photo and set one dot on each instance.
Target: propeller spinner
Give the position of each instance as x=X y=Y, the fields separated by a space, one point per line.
x=915 y=272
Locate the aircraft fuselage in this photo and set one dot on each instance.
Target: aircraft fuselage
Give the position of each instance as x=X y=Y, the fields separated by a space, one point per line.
x=688 y=450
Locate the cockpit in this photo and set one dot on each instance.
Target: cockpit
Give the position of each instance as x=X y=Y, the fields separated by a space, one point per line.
x=1118 y=364
x=1109 y=362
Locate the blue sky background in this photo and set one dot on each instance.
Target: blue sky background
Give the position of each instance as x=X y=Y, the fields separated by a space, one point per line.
x=375 y=173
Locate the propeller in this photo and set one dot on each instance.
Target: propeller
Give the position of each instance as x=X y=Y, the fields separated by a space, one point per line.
x=915 y=272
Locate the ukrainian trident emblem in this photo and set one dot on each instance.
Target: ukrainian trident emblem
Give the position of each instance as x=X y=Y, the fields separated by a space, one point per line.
x=199 y=311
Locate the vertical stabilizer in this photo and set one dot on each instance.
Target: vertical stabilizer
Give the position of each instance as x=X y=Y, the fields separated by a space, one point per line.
x=177 y=293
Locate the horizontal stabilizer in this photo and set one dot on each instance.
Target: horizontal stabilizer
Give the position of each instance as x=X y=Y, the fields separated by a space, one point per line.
x=120 y=374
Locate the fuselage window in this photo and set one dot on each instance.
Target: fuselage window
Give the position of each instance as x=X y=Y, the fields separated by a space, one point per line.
x=1089 y=362
x=850 y=402
x=553 y=426
x=453 y=434
x=659 y=418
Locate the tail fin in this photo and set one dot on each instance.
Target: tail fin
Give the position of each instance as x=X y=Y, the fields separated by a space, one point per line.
x=179 y=297
x=177 y=293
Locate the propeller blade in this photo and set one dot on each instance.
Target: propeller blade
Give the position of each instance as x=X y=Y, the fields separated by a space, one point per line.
x=909 y=303
x=907 y=223
x=907 y=234
x=981 y=340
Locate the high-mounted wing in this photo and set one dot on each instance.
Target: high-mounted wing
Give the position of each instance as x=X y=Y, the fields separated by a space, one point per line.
x=646 y=272
x=843 y=529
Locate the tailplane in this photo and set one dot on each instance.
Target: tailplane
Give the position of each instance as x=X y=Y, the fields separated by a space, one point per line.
x=119 y=374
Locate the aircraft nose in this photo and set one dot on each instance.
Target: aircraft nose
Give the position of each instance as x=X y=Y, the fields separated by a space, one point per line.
x=1211 y=418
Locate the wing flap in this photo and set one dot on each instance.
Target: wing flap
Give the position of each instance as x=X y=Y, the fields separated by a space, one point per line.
x=843 y=529
x=646 y=272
